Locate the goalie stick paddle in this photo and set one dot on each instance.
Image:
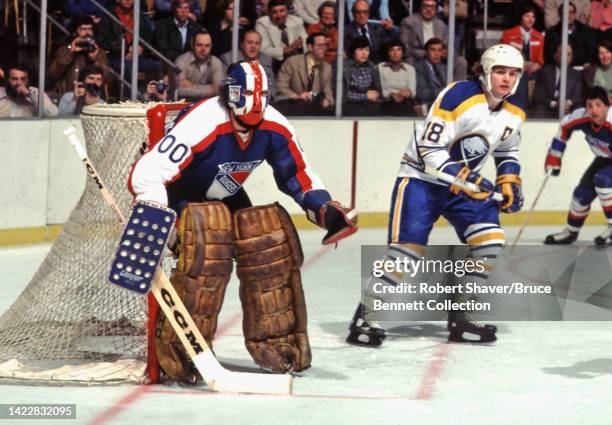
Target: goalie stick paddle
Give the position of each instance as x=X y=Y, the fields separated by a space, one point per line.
x=214 y=374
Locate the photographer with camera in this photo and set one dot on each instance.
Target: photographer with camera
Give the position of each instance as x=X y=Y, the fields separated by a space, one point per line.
x=86 y=91
x=79 y=51
x=157 y=90
x=305 y=81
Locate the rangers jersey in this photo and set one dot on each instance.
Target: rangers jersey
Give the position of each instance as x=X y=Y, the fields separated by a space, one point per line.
x=460 y=111
x=598 y=138
x=203 y=158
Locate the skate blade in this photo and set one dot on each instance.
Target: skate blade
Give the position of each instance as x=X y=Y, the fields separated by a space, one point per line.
x=459 y=339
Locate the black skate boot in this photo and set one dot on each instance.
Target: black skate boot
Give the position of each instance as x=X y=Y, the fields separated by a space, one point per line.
x=365 y=333
x=460 y=322
x=565 y=237
x=605 y=237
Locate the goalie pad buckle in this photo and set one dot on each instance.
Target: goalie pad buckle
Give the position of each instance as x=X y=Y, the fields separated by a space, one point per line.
x=141 y=246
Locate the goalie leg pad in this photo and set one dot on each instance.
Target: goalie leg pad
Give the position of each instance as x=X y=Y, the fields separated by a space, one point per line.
x=269 y=257
x=203 y=271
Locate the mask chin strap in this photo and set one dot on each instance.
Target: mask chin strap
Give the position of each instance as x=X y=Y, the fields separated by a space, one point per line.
x=486 y=82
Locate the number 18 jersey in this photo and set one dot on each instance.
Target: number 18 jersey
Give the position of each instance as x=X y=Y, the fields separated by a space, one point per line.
x=461 y=110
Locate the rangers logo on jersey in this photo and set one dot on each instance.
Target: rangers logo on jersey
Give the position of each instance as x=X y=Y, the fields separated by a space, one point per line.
x=230 y=177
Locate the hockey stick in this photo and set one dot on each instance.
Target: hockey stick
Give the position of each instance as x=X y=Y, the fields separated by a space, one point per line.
x=448 y=178
x=216 y=376
x=535 y=201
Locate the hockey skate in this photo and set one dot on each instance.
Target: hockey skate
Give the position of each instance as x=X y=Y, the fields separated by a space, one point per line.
x=565 y=237
x=363 y=332
x=605 y=237
x=460 y=322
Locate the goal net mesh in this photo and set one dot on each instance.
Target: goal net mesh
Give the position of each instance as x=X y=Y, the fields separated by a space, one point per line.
x=69 y=324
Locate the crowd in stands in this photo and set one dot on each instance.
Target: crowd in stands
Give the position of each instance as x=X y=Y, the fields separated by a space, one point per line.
x=395 y=62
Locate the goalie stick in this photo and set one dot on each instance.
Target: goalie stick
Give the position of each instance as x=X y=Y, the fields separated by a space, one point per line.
x=214 y=374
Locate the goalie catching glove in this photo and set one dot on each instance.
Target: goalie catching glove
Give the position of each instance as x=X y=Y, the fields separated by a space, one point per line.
x=340 y=222
x=509 y=185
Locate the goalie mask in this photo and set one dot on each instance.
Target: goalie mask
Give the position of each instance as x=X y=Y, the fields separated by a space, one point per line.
x=246 y=92
x=501 y=55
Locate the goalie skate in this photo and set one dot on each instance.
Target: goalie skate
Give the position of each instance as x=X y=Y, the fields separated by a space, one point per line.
x=363 y=332
x=141 y=247
x=460 y=323
x=565 y=237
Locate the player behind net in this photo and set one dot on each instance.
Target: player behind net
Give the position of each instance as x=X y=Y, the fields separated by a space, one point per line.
x=595 y=121
x=468 y=122
x=198 y=170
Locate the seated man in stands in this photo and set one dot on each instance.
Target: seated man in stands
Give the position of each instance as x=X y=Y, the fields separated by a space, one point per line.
x=304 y=82
x=416 y=30
x=79 y=51
x=18 y=99
x=376 y=34
x=430 y=73
x=201 y=72
x=546 y=93
x=172 y=34
x=282 y=35
x=86 y=91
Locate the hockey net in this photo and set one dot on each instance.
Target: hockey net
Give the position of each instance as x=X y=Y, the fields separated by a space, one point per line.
x=69 y=324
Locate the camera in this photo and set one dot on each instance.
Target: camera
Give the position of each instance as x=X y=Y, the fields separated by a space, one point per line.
x=317 y=97
x=93 y=89
x=86 y=43
x=161 y=86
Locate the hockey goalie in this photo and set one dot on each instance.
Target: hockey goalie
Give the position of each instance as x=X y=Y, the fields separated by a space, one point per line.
x=198 y=170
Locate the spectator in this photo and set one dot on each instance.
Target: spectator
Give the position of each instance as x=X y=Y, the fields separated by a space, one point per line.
x=581 y=38
x=530 y=43
x=201 y=72
x=305 y=82
x=165 y=9
x=308 y=10
x=430 y=73
x=250 y=49
x=86 y=91
x=173 y=33
x=417 y=29
x=75 y=8
x=282 y=35
x=379 y=11
x=18 y=99
x=157 y=89
x=398 y=82
x=552 y=12
x=79 y=51
x=110 y=35
x=221 y=30
x=601 y=19
x=546 y=93
x=376 y=34
x=361 y=80
x=326 y=25
x=601 y=75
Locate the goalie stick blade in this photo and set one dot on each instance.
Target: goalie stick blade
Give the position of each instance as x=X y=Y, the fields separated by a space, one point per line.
x=141 y=247
x=253 y=383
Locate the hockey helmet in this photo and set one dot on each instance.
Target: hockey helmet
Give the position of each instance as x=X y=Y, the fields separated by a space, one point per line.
x=501 y=55
x=246 y=92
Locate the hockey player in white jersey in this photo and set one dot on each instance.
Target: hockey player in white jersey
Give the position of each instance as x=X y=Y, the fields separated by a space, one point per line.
x=468 y=122
x=595 y=121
